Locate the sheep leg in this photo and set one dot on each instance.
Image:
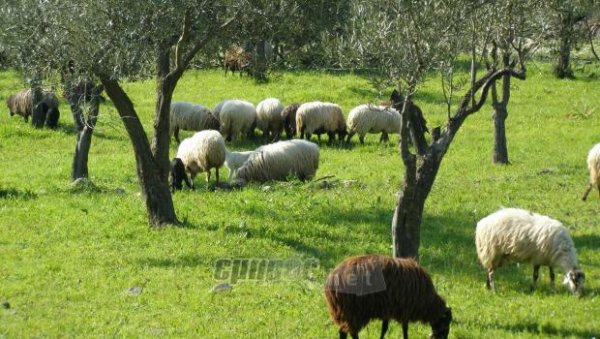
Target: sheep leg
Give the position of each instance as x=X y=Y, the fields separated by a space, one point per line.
x=207 y=176
x=587 y=191
x=331 y=136
x=405 y=329
x=217 y=174
x=349 y=137
x=385 y=136
x=362 y=139
x=490 y=280
x=599 y=190
x=176 y=134
x=384 y=327
x=552 y=276
x=344 y=335
x=308 y=136
x=536 y=275
x=189 y=182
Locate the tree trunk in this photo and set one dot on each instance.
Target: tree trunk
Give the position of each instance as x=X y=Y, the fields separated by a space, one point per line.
x=85 y=130
x=165 y=86
x=562 y=68
x=500 y=150
x=260 y=61
x=154 y=185
x=406 y=223
x=500 y=106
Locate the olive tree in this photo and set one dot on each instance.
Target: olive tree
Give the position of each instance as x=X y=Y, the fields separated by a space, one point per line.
x=116 y=41
x=563 y=18
x=407 y=41
x=507 y=34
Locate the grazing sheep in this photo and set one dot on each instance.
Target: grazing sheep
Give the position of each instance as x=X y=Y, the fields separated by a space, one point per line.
x=369 y=287
x=235 y=160
x=593 y=163
x=235 y=59
x=217 y=110
x=237 y=116
x=191 y=117
x=521 y=236
x=200 y=153
x=365 y=119
x=289 y=119
x=269 y=119
x=279 y=160
x=21 y=104
x=320 y=117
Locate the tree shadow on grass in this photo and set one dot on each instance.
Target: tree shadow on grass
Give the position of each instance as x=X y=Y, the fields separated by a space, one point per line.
x=13 y=193
x=545 y=330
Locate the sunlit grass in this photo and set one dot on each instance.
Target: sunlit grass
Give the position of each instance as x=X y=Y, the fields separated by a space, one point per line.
x=69 y=259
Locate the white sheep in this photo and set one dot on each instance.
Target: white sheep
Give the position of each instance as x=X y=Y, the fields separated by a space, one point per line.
x=235 y=160
x=278 y=161
x=365 y=119
x=219 y=106
x=237 y=116
x=320 y=117
x=269 y=119
x=521 y=236
x=593 y=163
x=191 y=117
x=200 y=153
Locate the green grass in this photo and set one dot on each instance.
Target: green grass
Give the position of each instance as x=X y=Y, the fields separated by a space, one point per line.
x=68 y=258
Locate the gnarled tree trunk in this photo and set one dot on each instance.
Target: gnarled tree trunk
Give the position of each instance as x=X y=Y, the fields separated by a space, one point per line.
x=153 y=180
x=85 y=128
x=500 y=106
x=421 y=169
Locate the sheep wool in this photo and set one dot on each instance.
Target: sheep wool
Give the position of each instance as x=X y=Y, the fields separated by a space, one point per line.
x=320 y=117
x=593 y=164
x=279 y=160
x=237 y=116
x=369 y=287
x=202 y=152
x=217 y=110
x=365 y=119
x=512 y=234
x=191 y=117
x=235 y=160
x=289 y=119
x=269 y=119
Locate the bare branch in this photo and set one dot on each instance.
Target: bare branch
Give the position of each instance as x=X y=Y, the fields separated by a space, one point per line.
x=185 y=34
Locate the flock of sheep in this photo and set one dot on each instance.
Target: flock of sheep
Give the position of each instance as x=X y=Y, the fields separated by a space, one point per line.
x=407 y=292
x=509 y=234
x=234 y=118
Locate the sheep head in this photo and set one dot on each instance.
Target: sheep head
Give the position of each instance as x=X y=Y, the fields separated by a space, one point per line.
x=213 y=122
x=574 y=280
x=178 y=175
x=441 y=327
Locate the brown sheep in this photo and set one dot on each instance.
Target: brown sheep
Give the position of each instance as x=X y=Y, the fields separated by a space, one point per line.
x=289 y=119
x=21 y=104
x=236 y=59
x=369 y=287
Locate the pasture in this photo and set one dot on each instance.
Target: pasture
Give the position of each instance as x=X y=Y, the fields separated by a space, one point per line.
x=82 y=262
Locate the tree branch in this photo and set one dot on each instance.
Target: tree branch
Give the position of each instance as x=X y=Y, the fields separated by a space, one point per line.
x=185 y=34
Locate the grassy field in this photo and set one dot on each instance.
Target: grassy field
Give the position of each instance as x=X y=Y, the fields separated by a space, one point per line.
x=81 y=263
